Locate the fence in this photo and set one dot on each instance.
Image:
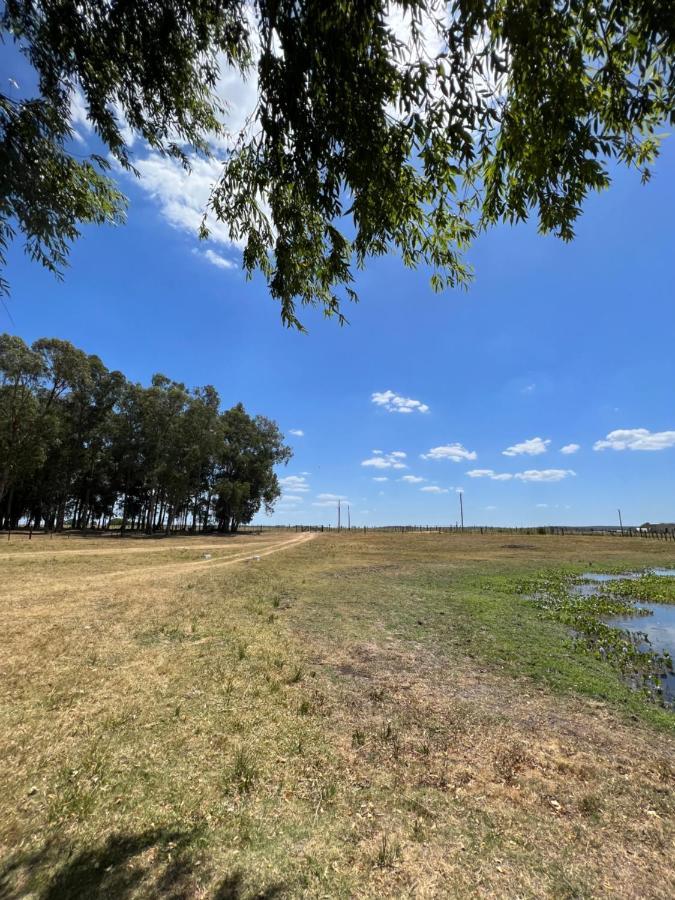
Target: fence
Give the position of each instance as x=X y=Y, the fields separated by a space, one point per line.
x=589 y=530
x=667 y=534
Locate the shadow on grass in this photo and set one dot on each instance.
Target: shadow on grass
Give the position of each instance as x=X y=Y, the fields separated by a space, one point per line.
x=154 y=863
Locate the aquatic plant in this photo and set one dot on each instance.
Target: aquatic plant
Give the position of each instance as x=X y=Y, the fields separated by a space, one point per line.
x=647 y=587
x=571 y=601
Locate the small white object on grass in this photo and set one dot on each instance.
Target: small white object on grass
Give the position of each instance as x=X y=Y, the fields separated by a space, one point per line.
x=207 y=556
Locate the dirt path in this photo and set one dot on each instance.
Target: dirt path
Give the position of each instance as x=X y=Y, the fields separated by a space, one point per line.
x=138 y=575
x=184 y=568
x=122 y=547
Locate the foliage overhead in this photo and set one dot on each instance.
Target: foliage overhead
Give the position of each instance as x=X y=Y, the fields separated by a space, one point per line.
x=81 y=444
x=379 y=126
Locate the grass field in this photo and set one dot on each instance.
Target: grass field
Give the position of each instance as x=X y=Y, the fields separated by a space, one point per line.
x=343 y=716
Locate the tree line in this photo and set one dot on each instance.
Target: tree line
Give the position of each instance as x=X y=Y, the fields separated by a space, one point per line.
x=83 y=447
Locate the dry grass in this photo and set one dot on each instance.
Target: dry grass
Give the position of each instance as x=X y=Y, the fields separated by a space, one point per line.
x=317 y=723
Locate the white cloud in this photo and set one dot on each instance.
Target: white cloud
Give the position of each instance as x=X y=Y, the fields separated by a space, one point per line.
x=636 y=439
x=82 y=126
x=294 y=483
x=528 y=475
x=183 y=195
x=291 y=498
x=455 y=452
x=533 y=447
x=412 y=479
x=386 y=460
x=544 y=474
x=528 y=389
x=434 y=489
x=298 y=432
x=215 y=259
x=490 y=473
x=329 y=500
x=78 y=115
x=542 y=505
x=568 y=449
x=490 y=508
x=381 y=478
x=395 y=403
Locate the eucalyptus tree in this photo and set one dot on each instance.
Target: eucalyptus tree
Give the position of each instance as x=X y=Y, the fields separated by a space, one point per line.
x=21 y=446
x=245 y=477
x=379 y=125
x=80 y=444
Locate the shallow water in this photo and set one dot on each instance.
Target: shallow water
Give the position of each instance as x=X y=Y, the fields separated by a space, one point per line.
x=659 y=629
x=602 y=577
x=656 y=621
x=588 y=581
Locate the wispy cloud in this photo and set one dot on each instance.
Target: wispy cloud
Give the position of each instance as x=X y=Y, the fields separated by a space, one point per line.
x=412 y=479
x=295 y=484
x=182 y=195
x=434 y=489
x=455 y=452
x=329 y=500
x=636 y=439
x=215 y=259
x=544 y=474
x=380 y=478
x=568 y=449
x=381 y=460
x=533 y=447
x=528 y=475
x=298 y=432
x=395 y=403
x=490 y=473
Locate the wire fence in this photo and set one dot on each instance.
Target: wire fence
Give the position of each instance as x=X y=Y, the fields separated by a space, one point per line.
x=662 y=533
x=666 y=533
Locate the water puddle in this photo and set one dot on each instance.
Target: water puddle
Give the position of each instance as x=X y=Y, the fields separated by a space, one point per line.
x=652 y=624
x=603 y=577
x=658 y=630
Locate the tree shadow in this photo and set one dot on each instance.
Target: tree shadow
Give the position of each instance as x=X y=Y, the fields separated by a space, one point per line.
x=154 y=863
x=234 y=888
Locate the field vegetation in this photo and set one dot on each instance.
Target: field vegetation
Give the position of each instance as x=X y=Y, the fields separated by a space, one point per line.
x=341 y=715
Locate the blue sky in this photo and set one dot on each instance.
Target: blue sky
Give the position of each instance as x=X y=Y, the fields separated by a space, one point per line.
x=564 y=343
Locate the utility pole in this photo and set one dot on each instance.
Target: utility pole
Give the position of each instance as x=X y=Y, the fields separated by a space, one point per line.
x=620 y=522
x=349 y=517
x=338 y=515
x=461 y=508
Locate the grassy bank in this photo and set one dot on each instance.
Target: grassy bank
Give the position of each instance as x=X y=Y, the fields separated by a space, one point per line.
x=351 y=716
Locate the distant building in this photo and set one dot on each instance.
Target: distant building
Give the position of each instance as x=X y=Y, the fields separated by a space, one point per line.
x=661 y=528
